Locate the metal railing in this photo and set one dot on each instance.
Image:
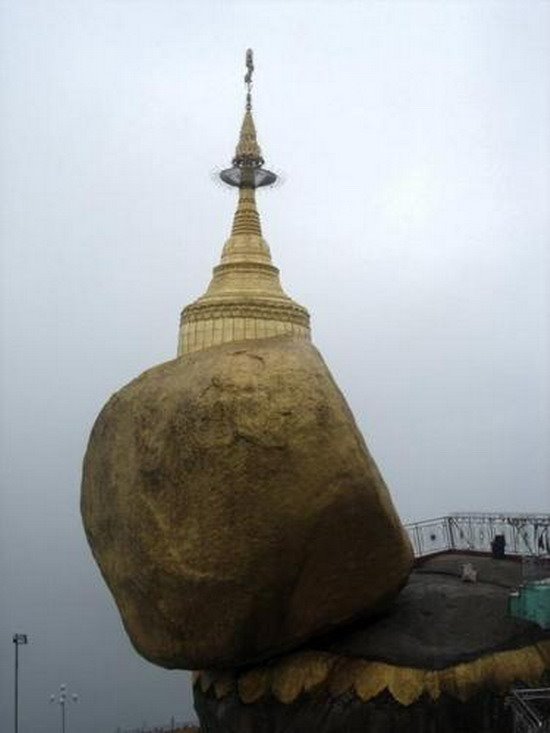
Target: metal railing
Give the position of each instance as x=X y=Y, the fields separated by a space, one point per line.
x=530 y=709
x=524 y=534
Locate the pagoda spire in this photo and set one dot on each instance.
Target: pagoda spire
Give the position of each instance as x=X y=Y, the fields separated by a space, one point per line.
x=247 y=170
x=245 y=299
x=246 y=219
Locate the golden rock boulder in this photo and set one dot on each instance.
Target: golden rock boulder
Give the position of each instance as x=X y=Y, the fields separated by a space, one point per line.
x=234 y=509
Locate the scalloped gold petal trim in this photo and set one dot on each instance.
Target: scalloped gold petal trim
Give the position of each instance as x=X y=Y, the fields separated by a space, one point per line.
x=303 y=672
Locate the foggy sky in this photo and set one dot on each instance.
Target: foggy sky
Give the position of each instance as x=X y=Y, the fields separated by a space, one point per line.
x=413 y=223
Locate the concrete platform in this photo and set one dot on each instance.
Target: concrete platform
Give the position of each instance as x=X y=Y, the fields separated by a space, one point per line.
x=438 y=620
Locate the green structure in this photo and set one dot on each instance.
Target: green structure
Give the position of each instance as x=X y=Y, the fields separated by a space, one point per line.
x=532 y=603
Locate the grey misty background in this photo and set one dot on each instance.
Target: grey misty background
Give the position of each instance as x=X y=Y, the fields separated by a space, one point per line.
x=413 y=223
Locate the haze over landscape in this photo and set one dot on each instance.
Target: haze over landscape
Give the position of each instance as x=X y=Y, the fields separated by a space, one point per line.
x=413 y=140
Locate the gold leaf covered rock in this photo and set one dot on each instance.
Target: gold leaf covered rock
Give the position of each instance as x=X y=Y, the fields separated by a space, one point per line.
x=234 y=509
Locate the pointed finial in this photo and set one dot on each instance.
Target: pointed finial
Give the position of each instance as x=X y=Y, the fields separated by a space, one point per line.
x=248 y=153
x=247 y=170
x=248 y=77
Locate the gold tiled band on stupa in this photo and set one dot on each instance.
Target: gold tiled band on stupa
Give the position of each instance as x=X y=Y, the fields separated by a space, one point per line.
x=245 y=299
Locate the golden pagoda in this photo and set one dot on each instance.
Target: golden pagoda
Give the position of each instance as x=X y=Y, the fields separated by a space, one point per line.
x=245 y=299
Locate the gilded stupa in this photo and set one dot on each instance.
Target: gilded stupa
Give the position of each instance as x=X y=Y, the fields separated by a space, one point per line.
x=245 y=299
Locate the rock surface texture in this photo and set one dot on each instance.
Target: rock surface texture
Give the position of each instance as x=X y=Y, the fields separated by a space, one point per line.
x=233 y=507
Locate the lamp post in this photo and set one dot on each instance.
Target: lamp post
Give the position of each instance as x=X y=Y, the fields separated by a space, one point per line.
x=18 y=639
x=62 y=698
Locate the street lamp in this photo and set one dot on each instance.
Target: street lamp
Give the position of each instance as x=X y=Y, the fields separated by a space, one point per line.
x=17 y=639
x=62 y=698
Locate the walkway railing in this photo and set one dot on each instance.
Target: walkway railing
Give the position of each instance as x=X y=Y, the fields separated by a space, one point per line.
x=525 y=534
